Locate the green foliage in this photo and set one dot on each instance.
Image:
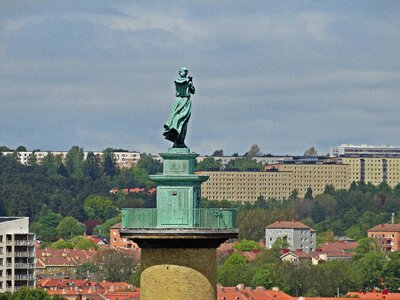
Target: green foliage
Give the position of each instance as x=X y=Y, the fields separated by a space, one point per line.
x=149 y=164
x=70 y=227
x=115 y=266
x=280 y=243
x=234 y=271
x=84 y=243
x=62 y=244
x=104 y=229
x=246 y=245
x=209 y=164
x=26 y=293
x=244 y=164
x=99 y=208
x=263 y=277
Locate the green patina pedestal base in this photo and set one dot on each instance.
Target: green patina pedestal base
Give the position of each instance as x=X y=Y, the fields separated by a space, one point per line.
x=178 y=238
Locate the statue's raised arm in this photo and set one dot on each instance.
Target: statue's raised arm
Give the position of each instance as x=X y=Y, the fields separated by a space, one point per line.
x=176 y=125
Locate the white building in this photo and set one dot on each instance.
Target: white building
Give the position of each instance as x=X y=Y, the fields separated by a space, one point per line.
x=366 y=150
x=17 y=254
x=298 y=235
x=122 y=159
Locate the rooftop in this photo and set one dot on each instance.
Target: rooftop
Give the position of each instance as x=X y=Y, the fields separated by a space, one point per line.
x=289 y=225
x=385 y=228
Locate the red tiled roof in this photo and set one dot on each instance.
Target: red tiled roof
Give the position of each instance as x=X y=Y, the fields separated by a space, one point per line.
x=385 y=228
x=337 y=246
x=289 y=225
x=374 y=296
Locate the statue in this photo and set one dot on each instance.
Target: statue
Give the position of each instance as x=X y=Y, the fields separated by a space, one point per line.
x=176 y=125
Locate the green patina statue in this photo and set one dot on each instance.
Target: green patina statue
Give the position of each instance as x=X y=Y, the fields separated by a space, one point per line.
x=176 y=125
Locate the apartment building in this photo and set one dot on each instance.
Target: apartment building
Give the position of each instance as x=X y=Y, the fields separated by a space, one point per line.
x=17 y=254
x=116 y=242
x=122 y=159
x=374 y=170
x=277 y=182
x=298 y=235
x=387 y=235
x=364 y=150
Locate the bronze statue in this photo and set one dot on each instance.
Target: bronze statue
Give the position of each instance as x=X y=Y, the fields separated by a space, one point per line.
x=176 y=125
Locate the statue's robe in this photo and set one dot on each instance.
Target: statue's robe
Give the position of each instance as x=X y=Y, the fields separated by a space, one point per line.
x=176 y=125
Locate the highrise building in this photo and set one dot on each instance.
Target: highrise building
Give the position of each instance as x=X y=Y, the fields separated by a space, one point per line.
x=17 y=254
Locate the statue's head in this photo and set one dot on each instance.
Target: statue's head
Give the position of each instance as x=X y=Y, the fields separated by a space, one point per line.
x=183 y=72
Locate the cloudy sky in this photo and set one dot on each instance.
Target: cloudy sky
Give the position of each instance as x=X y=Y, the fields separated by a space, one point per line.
x=285 y=75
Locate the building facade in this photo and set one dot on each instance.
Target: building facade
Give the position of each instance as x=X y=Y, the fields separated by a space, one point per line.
x=17 y=254
x=298 y=235
x=116 y=242
x=277 y=182
x=122 y=159
x=364 y=150
x=387 y=235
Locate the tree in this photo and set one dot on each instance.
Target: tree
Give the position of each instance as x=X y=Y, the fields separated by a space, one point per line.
x=309 y=194
x=83 y=243
x=234 y=271
x=99 y=208
x=263 y=277
x=209 y=164
x=311 y=152
x=247 y=245
x=25 y=293
x=252 y=224
x=92 y=167
x=62 y=244
x=74 y=162
x=109 y=165
x=151 y=165
x=392 y=271
x=20 y=149
x=218 y=153
x=115 y=266
x=280 y=243
x=254 y=151
x=244 y=164
x=69 y=227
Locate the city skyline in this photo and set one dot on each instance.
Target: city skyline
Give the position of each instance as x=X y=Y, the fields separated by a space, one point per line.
x=284 y=76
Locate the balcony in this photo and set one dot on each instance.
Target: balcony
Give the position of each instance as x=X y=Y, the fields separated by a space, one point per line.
x=24 y=243
x=198 y=218
x=24 y=277
x=23 y=265
x=24 y=254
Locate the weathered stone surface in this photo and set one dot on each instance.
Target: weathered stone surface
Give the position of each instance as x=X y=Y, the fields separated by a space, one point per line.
x=174 y=282
x=203 y=261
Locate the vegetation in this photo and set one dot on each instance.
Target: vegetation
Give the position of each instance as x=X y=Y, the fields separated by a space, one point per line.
x=58 y=196
x=364 y=272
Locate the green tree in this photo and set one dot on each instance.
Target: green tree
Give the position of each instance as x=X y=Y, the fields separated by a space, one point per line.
x=252 y=224
x=280 y=243
x=263 y=277
x=218 y=153
x=234 y=271
x=62 y=244
x=368 y=270
x=391 y=272
x=244 y=164
x=74 y=162
x=104 y=229
x=93 y=166
x=26 y=293
x=84 y=243
x=109 y=165
x=254 y=151
x=99 y=208
x=209 y=164
x=69 y=227
x=246 y=245
x=311 y=152
x=309 y=194
x=148 y=163
x=115 y=266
